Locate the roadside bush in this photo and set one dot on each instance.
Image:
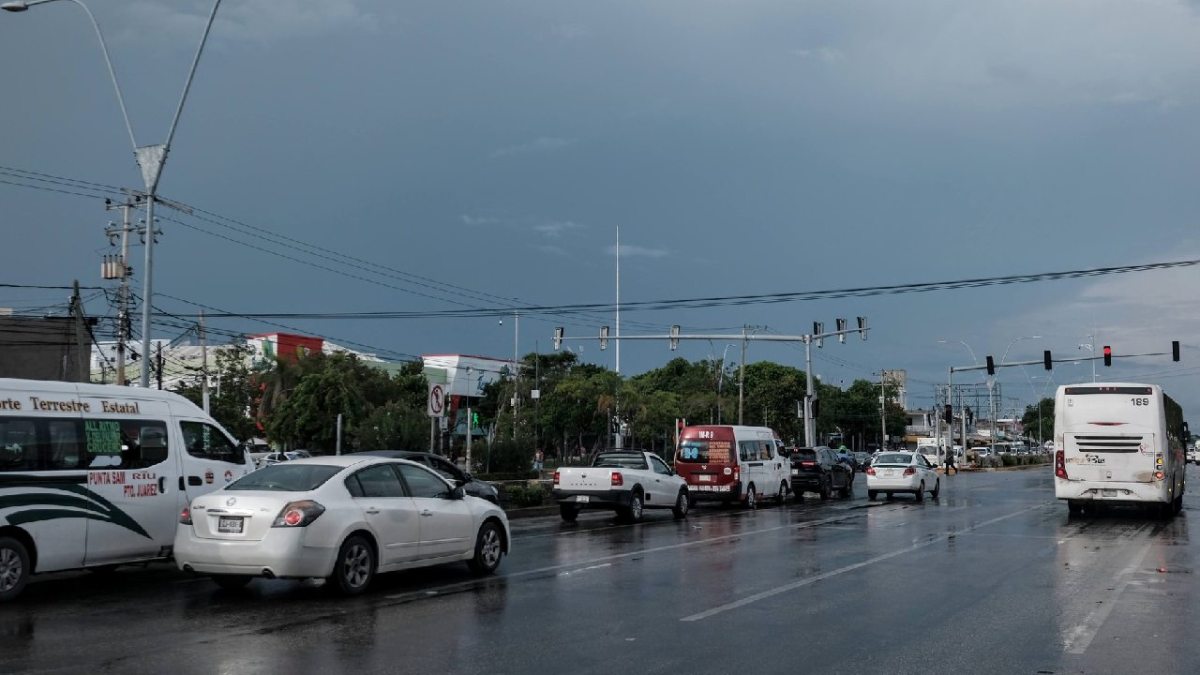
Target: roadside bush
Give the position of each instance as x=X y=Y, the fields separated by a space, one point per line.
x=520 y=496
x=496 y=476
x=1010 y=460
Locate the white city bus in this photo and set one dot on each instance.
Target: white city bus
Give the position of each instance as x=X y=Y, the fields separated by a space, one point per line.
x=94 y=476
x=1113 y=443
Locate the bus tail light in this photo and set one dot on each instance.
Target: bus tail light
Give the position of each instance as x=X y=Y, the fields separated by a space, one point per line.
x=1060 y=464
x=617 y=479
x=910 y=471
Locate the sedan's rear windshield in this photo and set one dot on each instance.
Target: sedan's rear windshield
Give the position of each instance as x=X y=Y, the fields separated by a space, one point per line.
x=804 y=455
x=705 y=451
x=286 y=478
x=894 y=458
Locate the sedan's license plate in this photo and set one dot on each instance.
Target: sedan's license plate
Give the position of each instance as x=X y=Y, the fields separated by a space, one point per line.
x=583 y=499
x=230 y=525
x=795 y=472
x=890 y=472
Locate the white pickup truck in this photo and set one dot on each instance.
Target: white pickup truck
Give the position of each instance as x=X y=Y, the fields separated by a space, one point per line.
x=626 y=481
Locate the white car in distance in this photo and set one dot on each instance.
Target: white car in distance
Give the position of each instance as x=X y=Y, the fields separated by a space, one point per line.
x=910 y=472
x=339 y=518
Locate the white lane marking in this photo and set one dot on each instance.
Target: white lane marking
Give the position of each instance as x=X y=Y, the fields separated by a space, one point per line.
x=585 y=569
x=639 y=552
x=1080 y=637
x=848 y=568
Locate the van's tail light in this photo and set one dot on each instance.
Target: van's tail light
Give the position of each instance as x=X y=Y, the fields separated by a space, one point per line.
x=556 y=478
x=737 y=473
x=910 y=471
x=1060 y=464
x=298 y=514
x=870 y=471
x=185 y=516
x=617 y=479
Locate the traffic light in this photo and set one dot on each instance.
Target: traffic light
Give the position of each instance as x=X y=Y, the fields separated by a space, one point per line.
x=841 y=326
x=474 y=420
x=991 y=366
x=1175 y=350
x=1107 y=355
x=818 y=328
x=815 y=407
x=558 y=337
x=948 y=413
x=862 y=327
x=1047 y=362
x=970 y=416
x=674 y=337
x=603 y=338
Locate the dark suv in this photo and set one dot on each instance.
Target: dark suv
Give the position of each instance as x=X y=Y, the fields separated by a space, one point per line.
x=819 y=470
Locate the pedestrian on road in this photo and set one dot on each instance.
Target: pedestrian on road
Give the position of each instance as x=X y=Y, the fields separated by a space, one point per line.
x=538 y=458
x=950 y=462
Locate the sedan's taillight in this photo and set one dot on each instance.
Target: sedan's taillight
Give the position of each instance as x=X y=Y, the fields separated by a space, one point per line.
x=617 y=479
x=870 y=471
x=298 y=514
x=185 y=516
x=1060 y=464
x=910 y=471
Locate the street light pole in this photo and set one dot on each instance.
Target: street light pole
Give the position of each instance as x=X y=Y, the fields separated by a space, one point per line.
x=721 y=380
x=150 y=158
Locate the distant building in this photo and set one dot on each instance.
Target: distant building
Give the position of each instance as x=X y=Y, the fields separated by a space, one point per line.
x=45 y=348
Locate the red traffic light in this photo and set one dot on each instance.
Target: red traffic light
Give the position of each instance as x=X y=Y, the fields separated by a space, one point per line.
x=1107 y=355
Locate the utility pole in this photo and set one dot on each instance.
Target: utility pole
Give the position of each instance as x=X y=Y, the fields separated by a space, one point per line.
x=741 y=375
x=882 y=410
x=469 y=384
x=204 y=363
x=962 y=400
x=160 y=365
x=810 y=433
x=516 y=371
x=117 y=267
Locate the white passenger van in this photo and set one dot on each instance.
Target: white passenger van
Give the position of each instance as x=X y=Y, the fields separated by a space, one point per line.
x=1114 y=443
x=93 y=476
x=733 y=464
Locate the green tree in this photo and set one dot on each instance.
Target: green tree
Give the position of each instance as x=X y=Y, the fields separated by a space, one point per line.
x=234 y=392
x=1030 y=420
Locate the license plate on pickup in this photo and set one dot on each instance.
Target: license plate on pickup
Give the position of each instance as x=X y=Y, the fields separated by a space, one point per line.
x=230 y=525
x=582 y=499
x=1108 y=493
x=704 y=478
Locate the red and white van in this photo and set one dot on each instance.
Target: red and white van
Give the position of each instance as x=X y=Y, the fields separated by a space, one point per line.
x=733 y=463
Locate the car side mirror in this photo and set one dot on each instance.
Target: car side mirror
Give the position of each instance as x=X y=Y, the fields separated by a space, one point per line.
x=458 y=493
x=467 y=477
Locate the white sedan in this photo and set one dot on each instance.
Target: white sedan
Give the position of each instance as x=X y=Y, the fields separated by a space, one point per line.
x=892 y=472
x=339 y=518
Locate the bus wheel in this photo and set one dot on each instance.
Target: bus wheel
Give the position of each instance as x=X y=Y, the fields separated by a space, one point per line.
x=14 y=568
x=1177 y=504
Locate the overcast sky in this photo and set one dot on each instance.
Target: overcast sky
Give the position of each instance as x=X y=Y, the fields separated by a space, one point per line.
x=492 y=149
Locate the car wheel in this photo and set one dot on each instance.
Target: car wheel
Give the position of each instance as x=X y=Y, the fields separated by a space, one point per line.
x=14 y=568
x=921 y=492
x=355 y=566
x=568 y=512
x=751 y=497
x=633 y=512
x=682 y=504
x=826 y=489
x=489 y=548
x=783 y=492
x=872 y=495
x=937 y=488
x=231 y=582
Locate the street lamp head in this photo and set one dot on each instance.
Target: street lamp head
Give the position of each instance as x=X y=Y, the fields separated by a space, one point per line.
x=15 y=6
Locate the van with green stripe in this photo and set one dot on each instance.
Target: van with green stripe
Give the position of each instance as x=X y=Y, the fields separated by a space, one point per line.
x=94 y=476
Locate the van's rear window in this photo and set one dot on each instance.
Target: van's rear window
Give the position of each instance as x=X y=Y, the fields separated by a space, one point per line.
x=286 y=478
x=1134 y=391
x=705 y=451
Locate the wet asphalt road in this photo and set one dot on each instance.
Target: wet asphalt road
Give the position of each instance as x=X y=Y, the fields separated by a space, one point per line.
x=992 y=578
